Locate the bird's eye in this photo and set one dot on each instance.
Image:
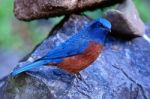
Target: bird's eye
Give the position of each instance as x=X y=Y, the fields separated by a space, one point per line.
x=99 y=25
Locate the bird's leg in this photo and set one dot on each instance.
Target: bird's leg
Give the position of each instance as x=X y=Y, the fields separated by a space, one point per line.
x=79 y=76
x=78 y=86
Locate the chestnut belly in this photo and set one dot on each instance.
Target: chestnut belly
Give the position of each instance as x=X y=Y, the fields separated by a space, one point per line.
x=75 y=64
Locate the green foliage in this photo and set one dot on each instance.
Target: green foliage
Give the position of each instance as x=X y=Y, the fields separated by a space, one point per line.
x=21 y=35
x=143 y=8
x=94 y=14
x=6 y=35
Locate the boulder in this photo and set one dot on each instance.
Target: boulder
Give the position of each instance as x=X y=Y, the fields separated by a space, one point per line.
x=120 y=72
x=36 y=9
x=126 y=20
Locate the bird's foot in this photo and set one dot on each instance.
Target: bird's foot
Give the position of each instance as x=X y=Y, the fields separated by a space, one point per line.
x=80 y=78
x=82 y=89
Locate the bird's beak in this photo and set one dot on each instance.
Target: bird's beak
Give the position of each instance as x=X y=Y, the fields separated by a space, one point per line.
x=109 y=30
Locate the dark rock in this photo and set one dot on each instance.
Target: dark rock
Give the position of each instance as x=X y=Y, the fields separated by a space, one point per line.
x=35 y=9
x=126 y=20
x=121 y=72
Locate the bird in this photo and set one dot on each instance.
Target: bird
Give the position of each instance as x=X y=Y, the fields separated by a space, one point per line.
x=77 y=52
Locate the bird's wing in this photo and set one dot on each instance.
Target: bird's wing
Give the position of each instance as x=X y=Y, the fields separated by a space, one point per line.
x=73 y=46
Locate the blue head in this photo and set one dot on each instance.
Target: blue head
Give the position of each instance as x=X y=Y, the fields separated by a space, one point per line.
x=98 y=29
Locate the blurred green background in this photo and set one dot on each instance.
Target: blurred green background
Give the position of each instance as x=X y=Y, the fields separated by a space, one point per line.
x=17 y=38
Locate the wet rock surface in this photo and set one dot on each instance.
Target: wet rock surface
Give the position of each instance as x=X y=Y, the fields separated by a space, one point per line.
x=36 y=9
x=126 y=20
x=120 y=72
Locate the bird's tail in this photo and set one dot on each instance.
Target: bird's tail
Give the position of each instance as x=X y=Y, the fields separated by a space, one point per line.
x=28 y=67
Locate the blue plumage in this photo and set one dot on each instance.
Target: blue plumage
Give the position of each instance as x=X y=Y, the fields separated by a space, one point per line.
x=75 y=45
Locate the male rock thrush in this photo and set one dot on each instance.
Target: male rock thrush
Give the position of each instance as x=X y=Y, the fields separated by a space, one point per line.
x=76 y=53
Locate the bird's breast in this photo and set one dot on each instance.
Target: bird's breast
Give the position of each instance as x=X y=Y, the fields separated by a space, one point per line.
x=75 y=64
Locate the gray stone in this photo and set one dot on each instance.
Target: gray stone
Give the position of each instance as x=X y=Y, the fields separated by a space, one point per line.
x=126 y=20
x=120 y=72
x=35 y=9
